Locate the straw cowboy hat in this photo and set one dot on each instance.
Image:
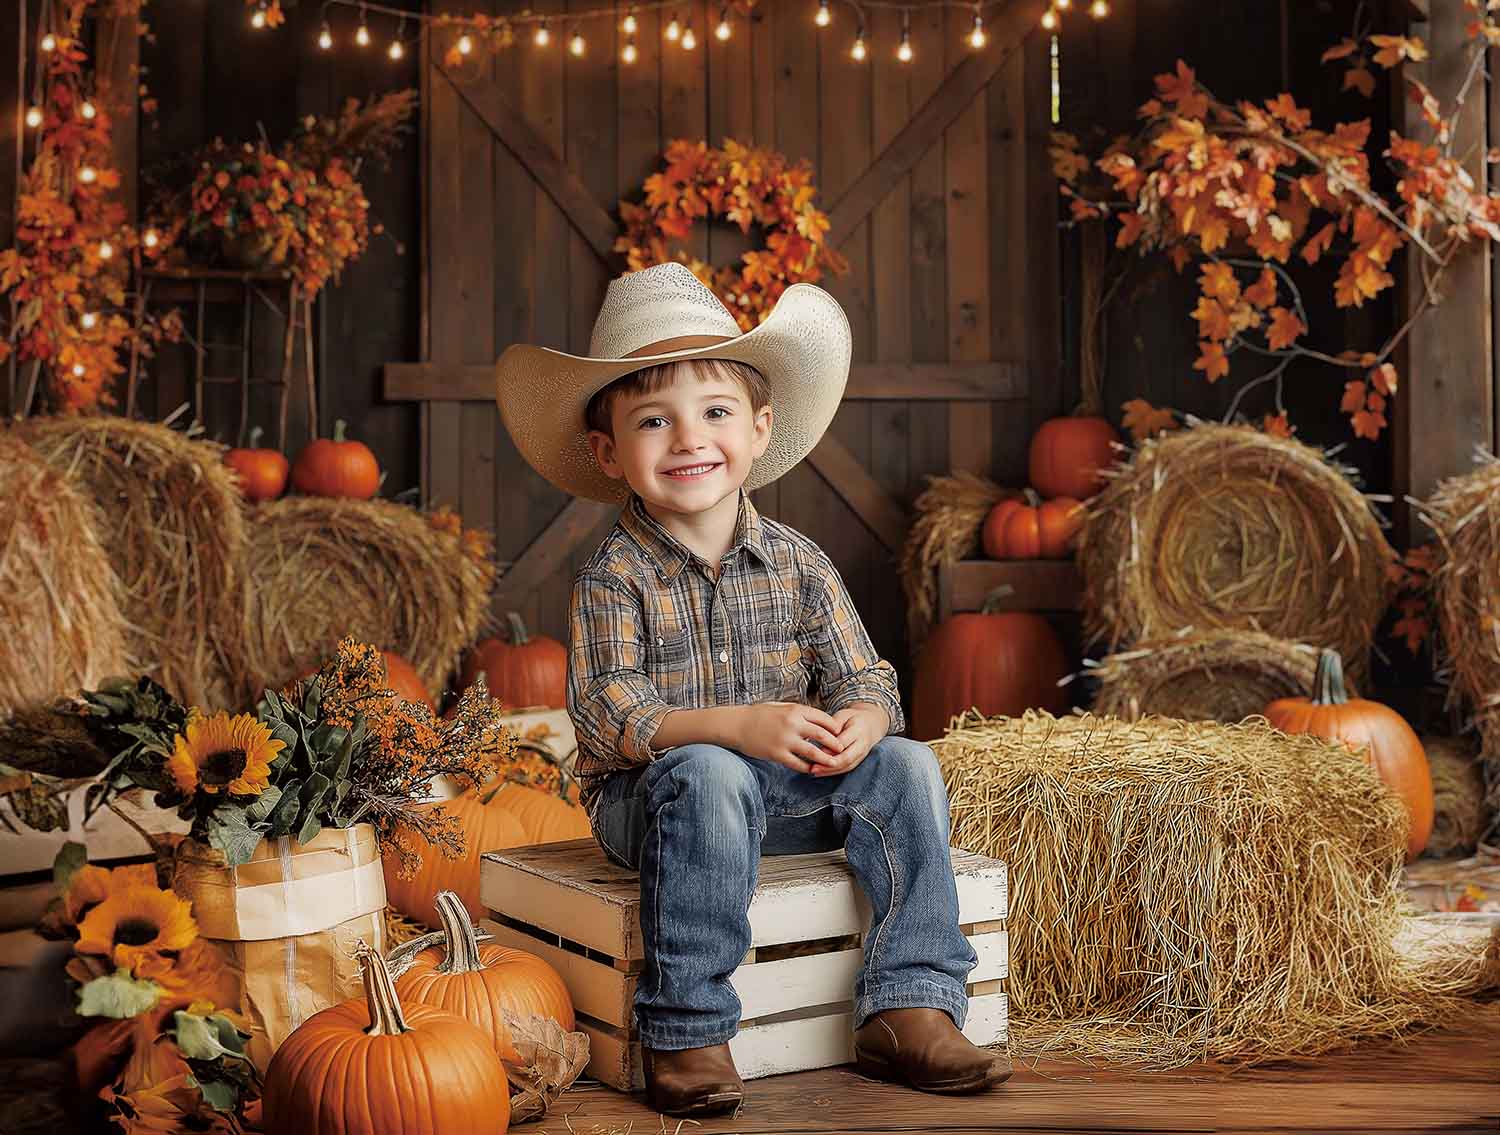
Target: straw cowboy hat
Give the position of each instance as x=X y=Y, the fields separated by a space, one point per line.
x=665 y=314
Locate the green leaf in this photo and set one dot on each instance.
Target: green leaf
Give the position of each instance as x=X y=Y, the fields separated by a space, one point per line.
x=204 y=1037
x=231 y=833
x=312 y=824
x=313 y=791
x=258 y=812
x=230 y=1037
x=219 y=1095
x=346 y=759
x=284 y=815
x=117 y=995
x=70 y=857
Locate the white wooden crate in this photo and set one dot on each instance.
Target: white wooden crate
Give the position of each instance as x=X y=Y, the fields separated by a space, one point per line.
x=569 y=905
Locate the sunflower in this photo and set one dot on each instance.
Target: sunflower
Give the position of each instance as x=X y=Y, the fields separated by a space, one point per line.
x=202 y=974
x=91 y=885
x=222 y=752
x=140 y=929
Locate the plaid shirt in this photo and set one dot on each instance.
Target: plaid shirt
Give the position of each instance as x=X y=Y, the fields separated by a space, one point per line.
x=651 y=629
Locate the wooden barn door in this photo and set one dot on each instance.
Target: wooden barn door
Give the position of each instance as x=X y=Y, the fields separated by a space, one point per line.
x=936 y=180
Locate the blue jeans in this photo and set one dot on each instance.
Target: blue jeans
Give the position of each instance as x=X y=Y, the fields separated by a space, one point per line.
x=695 y=822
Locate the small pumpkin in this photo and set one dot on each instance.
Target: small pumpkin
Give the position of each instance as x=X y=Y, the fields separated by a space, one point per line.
x=402 y=677
x=1032 y=528
x=477 y=982
x=262 y=472
x=376 y=1067
x=1067 y=455
x=338 y=467
x=1000 y=662
x=530 y=669
x=486 y=827
x=1391 y=747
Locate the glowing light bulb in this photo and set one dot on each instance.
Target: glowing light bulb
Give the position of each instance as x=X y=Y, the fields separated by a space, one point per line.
x=465 y=44
x=824 y=16
x=325 y=37
x=858 y=52
x=977 y=38
x=88 y=110
x=628 y=52
x=630 y=25
x=723 y=31
x=34 y=117
x=106 y=250
x=1099 y=9
x=576 y=44
x=1049 y=19
x=259 y=19
x=88 y=175
x=150 y=239
x=689 y=40
x=1063 y=5
x=674 y=29
x=362 y=34
x=78 y=370
x=396 y=50
x=89 y=320
x=49 y=42
x=904 y=52
x=542 y=37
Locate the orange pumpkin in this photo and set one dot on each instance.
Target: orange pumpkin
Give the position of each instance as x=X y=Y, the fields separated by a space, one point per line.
x=528 y=670
x=477 y=982
x=486 y=827
x=1033 y=529
x=402 y=677
x=1000 y=662
x=262 y=472
x=1390 y=745
x=374 y=1067
x=1068 y=453
x=337 y=468
x=545 y=817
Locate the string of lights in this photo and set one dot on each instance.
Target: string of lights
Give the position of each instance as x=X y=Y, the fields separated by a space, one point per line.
x=467 y=29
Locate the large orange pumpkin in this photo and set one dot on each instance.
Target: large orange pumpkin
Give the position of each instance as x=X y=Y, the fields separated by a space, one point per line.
x=1031 y=529
x=486 y=827
x=1068 y=453
x=528 y=670
x=545 y=817
x=374 y=1067
x=337 y=468
x=262 y=472
x=1391 y=747
x=1000 y=662
x=477 y=982
x=402 y=677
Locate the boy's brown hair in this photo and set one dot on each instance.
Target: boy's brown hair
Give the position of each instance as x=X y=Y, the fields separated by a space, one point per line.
x=596 y=415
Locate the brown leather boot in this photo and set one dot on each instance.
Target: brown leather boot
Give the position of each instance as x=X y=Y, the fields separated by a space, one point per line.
x=692 y=1081
x=923 y=1049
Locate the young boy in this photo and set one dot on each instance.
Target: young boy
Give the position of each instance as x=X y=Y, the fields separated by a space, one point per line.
x=727 y=699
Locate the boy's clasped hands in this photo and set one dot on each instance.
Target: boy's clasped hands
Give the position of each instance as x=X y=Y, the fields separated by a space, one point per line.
x=805 y=739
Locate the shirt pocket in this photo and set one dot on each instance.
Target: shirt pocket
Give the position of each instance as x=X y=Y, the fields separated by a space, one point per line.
x=669 y=663
x=780 y=663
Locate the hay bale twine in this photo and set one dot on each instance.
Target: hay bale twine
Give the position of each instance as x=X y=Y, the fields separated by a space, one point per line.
x=1458 y=819
x=1186 y=891
x=1227 y=528
x=1464 y=512
x=59 y=594
x=327 y=568
x=1222 y=676
x=172 y=524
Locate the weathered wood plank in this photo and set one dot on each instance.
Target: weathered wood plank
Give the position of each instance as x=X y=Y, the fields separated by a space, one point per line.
x=549 y=550
x=1035 y=585
x=881 y=513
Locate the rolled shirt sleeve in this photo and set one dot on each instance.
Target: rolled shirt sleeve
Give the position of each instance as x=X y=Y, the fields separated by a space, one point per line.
x=614 y=705
x=847 y=666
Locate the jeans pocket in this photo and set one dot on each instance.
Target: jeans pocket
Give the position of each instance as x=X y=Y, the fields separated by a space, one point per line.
x=619 y=824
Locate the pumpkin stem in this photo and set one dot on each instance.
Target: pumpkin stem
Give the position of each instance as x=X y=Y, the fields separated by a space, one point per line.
x=1328 y=682
x=255 y=432
x=1032 y=497
x=386 y=1017
x=338 y=430
x=459 y=939
x=519 y=635
x=992 y=603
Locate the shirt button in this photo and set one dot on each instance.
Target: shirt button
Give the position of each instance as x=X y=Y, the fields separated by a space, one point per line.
x=723 y=656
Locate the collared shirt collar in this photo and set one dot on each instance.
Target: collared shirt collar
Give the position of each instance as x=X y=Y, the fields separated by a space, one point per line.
x=670 y=554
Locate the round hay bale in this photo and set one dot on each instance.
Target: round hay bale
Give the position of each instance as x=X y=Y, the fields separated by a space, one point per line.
x=172 y=524
x=1464 y=512
x=59 y=595
x=1457 y=795
x=1224 y=676
x=1227 y=528
x=1185 y=891
x=326 y=568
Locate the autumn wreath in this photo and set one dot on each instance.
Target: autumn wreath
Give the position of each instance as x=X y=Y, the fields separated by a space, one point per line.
x=746 y=187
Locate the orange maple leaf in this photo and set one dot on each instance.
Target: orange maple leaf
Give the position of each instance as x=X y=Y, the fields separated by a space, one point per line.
x=1368 y=424
x=1354 y=396
x=1211 y=360
x=1217 y=281
x=1395 y=48
x=1131 y=227
x=1339 y=50
x=1144 y=420
x=1262 y=293
x=1383 y=378
x=1318 y=243
x=1213 y=319
x=1149 y=109
x=1181 y=88
x=1285 y=329
x=1284 y=107
x=1179 y=255
x=1277 y=425
x=1361 y=79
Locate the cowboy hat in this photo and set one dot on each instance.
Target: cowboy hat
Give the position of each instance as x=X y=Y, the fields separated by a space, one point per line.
x=666 y=314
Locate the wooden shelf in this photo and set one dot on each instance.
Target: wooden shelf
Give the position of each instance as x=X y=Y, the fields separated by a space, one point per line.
x=1036 y=585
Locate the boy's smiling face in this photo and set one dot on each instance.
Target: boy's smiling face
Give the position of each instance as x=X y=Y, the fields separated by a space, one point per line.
x=686 y=447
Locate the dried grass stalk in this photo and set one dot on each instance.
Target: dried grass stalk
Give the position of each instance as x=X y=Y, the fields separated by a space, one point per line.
x=59 y=594
x=1465 y=514
x=1223 y=676
x=1187 y=891
x=950 y=513
x=1457 y=795
x=1227 y=528
x=386 y=574
x=171 y=523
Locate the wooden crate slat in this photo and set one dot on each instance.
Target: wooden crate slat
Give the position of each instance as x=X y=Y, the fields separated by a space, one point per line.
x=603 y=918
x=596 y=989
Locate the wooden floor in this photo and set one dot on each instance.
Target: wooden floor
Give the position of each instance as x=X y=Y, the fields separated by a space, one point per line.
x=1444 y=1082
